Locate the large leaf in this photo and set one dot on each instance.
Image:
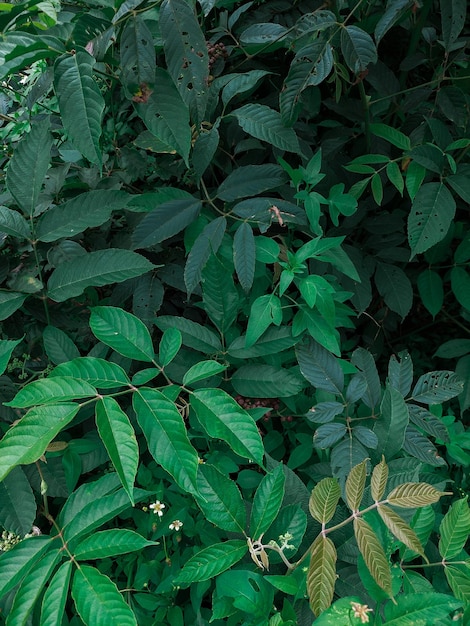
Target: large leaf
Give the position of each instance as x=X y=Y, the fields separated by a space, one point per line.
x=16 y=562
x=321 y=575
x=266 y=381
x=80 y=101
x=55 y=597
x=17 y=503
x=87 y=210
x=212 y=561
x=102 y=267
x=30 y=163
x=454 y=530
x=267 y=502
x=27 y=440
x=373 y=554
x=324 y=499
x=193 y=334
x=355 y=484
x=320 y=367
x=166 y=220
x=186 y=54
x=138 y=60
x=262 y=122
x=123 y=332
x=400 y=529
x=395 y=287
x=12 y=222
x=358 y=48
x=207 y=243
x=251 y=180
x=223 y=418
x=244 y=255
x=437 y=387
x=98 y=600
x=420 y=608
x=412 y=495
x=453 y=13
x=391 y=426
x=430 y=218
x=220 y=501
x=98 y=372
x=167 y=437
x=46 y=391
x=108 y=543
x=120 y=441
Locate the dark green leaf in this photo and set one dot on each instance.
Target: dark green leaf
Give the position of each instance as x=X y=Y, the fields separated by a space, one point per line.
x=98 y=372
x=58 y=345
x=194 y=335
x=265 y=310
x=17 y=503
x=12 y=222
x=166 y=220
x=419 y=446
x=400 y=372
x=358 y=48
x=202 y=370
x=327 y=435
x=18 y=561
x=137 y=55
x=207 y=243
x=392 y=423
x=251 y=180
x=50 y=390
x=453 y=14
x=219 y=294
x=436 y=387
x=267 y=502
x=262 y=122
x=392 y=135
x=212 y=561
x=395 y=287
x=6 y=350
x=266 y=381
x=320 y=367
x=244 y=255
x=454 y=530
x=273 y=341
x=170 y=344
x=430 y=217
x=325 y=412
x=460 y=281
x=391 y=15
x=431 y=290
x=364 y=361
x=220 y=499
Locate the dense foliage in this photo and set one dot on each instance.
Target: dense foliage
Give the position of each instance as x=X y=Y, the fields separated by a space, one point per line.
x=235 y=304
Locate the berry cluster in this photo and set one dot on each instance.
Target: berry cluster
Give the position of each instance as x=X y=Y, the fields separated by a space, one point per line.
x=253 y=403
x=216 y=51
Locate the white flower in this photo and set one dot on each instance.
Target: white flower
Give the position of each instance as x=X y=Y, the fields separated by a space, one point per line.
x=157 y=508
x=175 y=525
x=361 y=610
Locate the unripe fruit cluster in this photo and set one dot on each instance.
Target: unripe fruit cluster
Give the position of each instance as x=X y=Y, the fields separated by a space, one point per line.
x=253 y=403
x=216 y=51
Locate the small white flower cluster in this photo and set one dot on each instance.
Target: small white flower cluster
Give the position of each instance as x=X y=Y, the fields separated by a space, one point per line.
x=9 y=539
x=157 y=508
x=361 y=611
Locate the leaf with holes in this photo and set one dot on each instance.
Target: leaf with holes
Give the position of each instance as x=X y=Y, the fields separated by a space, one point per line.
x=436 y=387
x=138 y=60
x=431 y=215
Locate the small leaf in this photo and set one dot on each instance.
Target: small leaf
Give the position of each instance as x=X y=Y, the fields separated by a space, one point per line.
x=212 y=561
x=395 y=287
x=392 y=135
x=395 y=176
x=17 y=503
x=324 y=500
x=358 y=48
x=267 y=502
x=6 y=350
x=262 y=122
x=170 y=343
x=355 y=484
x=373 y=554
x=328 y=434
x=453 y=13
x=325 y=412
x=202 y=370
x=454 y=530
x=321 y=575
x=265 y=310
x=58 y=345
x=194 y=335
x=244 y=251
x=166 y=220
x=320 y=367
x=437 y=387
x=207 y=243
x=219 y=294
x=400 y=529
x=108 y=543
x=379 y=480
x=364 y=361
x=460 y=282
x=13 y=223
x=412 y=495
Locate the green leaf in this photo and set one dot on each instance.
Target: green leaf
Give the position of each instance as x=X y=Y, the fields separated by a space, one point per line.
x=251 y=180
x=106 y=543
x=58 y=345
x=98 y=372
x=320 y=367
x=423 y=522
x=267 y=502
x=87 y=210
x=390 y=16
x=219 y=294
x=411 y=495
x=420 y=608
x=415 y=174
x=89 y=492
x=6 y=350
x=364 y=361
x=379 y=478
x=428 y=422
x=30 y=162
x=430 y=218
x=207 y=243
x=266 y=381
x=392 y=135
x=51 y=390
x=204 y=149
x=453 y=13
x=460 y=184
x=27 y=440
x=328 y=434
x=262 y=122
x=170 y=343
x=10 y=301
x=55 y=597
x=431 y=290
x=400 y=529
x=358 y=48
x=194 y=335
x=321 y=575
x=265 y=310
x=391 y=426
x=436 y=387
x=212 y=561
x=453 y=348
x=458 y=578
x=373 y=554
x=273 y=341
x=17 y=503
x=80 y=101
x=395 y=176
x=203 y=369
x=355 y=484
x=460 y=282
x=220 y=499
x=123 y=332
x=18 y=561
x=454 y=530
x=13 y=223
x=138 y=60
x=186 y=54
x=244 y=255
x=223 y=418
x=395 y=288
x=119 y=440
x=325 y=412
x=400 y=372
x=241 y=83
x=168 y=219
x=98 y=600
x=324 y=500
x=167 y=437
x=102 y=267
x=419 y=446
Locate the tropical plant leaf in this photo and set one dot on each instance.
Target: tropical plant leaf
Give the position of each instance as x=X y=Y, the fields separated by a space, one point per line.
x=392 y=135
x=241 y=83
x=123 y=332
x=458 y=578
x=364 y=361
x=55 y=596
x=390 y=428
x=220 y=499
x=244 y=255
x=454 y=530
x=108 y=543
x=80 y=101
x=222 y=417
x=436 y=387
x=428 y=422
x=96 y=269
x=400 y=529
x=202 y=370
x=207 y=243
x=379 y=479
x=212 y=561
x=168 y=219
x=413 y=495
x=265 y=310
x=219 y=294
x=58 y=345
x=98 y=600
x=262 y=122
x=320 y=367
x=324 y=499
x=17 y=503
x=119 y=440
x=138 y=60
x=392 y=14
x=373 y=554
x=395 y=287
x=321 y=575
x=325 y=412
x=251 y=180
x=266 y=381
x=358 y=48
x=453 y=15
x=460 y=282
x=420 y=608
x=167 y=437
x=98 y=372
x=13 y=223
x=273 y=341
x=267 y=502
x=19 y=560
x=355 y=484
x=169 y=346
x=30 y=162
x=400 y=372
x=419 y=446
x=204 y=149
x=194 y=335
x=86 y=493
x=45 y=391
x=328 y=434
x=6 y=350
x=422 y=523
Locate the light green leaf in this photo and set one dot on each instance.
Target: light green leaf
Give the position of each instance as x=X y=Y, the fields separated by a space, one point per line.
x=390 y=427
x=186 y=54
x=169 y=346
x=262 y=122
x=18 y=561
x=207 y=243
x=373 y=554
x=458 y=578
x=87 y=210
x=379 y=478
x=358 y=48
x=321 y=575
x=106 y=543
x=355 y=484
x=212 y=561
x=203 y=369
x=17 y=503
x=51 y=390
x=13 y=223
x=95 y=269
x=138 y=60
x=430 y=218
x=98 y=372
x=118 y=436
x=244 y=255
x=220 y=501
x=55 y=597
x=324 y=499
x=223 y=418
x=400 y=529
x=27 y=440
x=420 y=608
x=320 y=367
x=98 y=600
x=30 y=163
x=123 y=332
x=436 y=387
x=58 y=345
x=412 y=495
x=265 y=310
x=6 y=350
x=251 y=180
x=167 y=436
x=454 y=530
x=80 y=101
x=89 y=492
x=168 y=219
x=431 y=290
x=267 y=502
x=266 y=381
x=194 y=335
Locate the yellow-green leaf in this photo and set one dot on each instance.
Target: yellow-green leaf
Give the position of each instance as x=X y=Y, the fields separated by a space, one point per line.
x=321 y=574
x=401 y=530
x=355 y=484
x=411 y=495
x=379 y=479
x=373 y=554
x=323 y=500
